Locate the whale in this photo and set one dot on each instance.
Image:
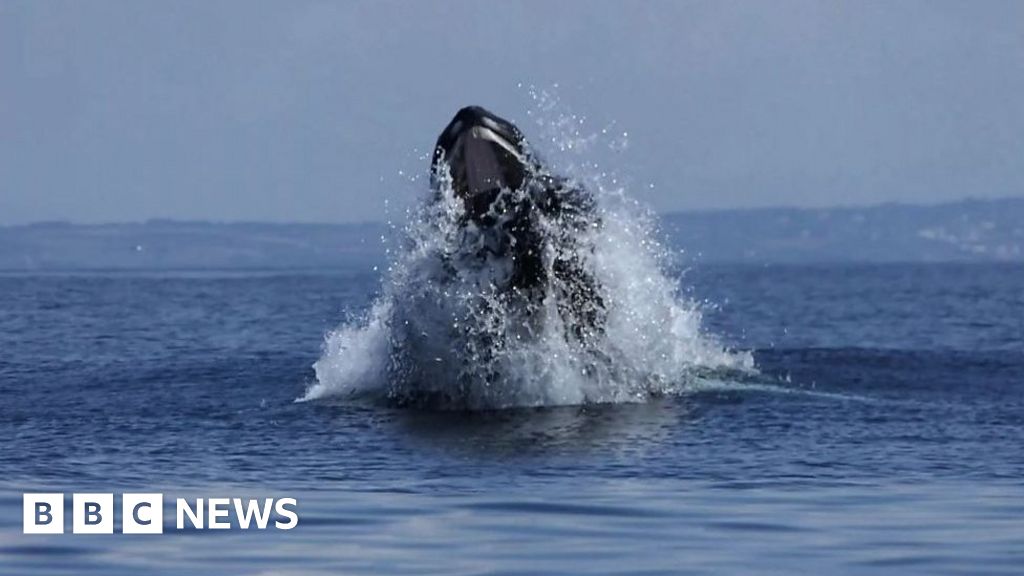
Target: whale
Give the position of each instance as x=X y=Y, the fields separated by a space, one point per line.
x=539 y=224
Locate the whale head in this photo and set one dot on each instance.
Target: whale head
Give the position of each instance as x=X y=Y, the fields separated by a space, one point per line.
x=483 y=154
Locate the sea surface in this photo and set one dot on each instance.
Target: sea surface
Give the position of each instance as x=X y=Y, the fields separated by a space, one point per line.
x=882 y=433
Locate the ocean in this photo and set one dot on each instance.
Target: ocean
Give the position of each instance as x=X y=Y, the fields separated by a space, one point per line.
x=879 y=430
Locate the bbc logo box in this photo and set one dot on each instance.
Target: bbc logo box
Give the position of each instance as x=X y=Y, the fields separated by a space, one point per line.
x=92 y=513
x=43 y=513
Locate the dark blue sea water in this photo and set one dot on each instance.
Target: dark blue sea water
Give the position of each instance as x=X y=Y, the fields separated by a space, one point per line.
x=884 y=434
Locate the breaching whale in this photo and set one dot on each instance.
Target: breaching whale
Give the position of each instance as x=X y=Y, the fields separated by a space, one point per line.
x=535 y=221
x=515 y=287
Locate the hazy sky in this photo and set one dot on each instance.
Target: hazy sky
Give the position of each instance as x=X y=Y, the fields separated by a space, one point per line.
x=113 y=111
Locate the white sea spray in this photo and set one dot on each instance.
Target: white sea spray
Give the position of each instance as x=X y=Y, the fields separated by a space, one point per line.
x=445 y=334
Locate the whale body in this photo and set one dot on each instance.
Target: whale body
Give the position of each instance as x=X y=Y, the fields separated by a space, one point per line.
x=534 y=221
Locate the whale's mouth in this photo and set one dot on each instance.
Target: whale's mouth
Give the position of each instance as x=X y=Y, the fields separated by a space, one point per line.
x=483 y=153
x=482 y=160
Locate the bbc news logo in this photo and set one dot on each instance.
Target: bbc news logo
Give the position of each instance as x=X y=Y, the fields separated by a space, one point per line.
x=92 y=513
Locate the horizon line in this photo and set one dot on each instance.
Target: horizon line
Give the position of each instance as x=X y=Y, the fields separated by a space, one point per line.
x=769 y=208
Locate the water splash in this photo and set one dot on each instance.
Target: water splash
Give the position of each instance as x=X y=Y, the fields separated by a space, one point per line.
x=445 y=334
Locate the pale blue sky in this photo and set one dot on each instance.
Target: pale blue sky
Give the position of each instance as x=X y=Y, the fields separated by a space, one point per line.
x=295 y=111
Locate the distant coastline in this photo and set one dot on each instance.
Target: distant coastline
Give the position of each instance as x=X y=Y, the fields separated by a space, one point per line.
x=962 y=231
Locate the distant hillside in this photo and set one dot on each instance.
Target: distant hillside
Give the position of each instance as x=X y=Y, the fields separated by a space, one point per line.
x=162 y=244
x=971 y=230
